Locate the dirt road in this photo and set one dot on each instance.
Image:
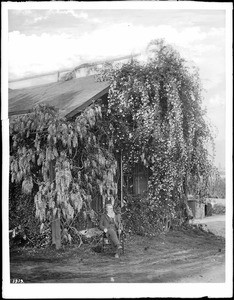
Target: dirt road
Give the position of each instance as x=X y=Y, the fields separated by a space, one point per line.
x=179 y=256
x=216 y=224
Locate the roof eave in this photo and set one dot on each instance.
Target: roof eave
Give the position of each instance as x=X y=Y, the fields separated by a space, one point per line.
x=82 y=107
x=20 y=112
x=65 y=113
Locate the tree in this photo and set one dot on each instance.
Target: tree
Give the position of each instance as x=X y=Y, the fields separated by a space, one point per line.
x=61 y=163
x=158 y=121
x=216 y=185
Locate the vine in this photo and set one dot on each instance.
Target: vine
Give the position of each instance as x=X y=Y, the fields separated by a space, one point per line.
x=159 y=122
x=61 y=162
x=153 y=115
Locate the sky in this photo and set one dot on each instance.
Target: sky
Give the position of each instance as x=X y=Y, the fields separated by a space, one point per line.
x=46 y=40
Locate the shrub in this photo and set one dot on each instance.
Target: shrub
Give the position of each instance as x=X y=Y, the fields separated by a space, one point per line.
x=218 y=209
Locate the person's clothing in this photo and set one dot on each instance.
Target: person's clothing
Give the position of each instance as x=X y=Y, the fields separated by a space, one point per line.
x=112 y=225
x=112 y=235
x=107 y=222
x=111 y=214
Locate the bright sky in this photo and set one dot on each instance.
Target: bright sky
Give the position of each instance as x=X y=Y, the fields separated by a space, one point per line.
x=46 y=40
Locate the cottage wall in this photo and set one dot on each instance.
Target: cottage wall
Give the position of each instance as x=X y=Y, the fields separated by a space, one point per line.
x=140 y=183
x=140 y=180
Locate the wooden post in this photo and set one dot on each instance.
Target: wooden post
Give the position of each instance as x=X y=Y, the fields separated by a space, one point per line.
x=56 y=233
x=138 y=180
x=121 y=179
x=55 y=225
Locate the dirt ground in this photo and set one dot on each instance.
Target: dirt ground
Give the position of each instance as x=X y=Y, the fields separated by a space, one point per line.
x=190 y=255
x=215 y=223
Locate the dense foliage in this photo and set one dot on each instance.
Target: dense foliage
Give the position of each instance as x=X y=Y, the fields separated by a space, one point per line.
x=61 y=163
x=158 y=121
x=218 y=209
x=152 y=116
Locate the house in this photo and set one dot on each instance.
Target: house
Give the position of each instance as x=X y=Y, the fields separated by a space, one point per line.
x=71 y=97
x=83 y=70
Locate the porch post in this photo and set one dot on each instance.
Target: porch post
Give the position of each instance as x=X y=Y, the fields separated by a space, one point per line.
x=55 y=224
x=121 y=179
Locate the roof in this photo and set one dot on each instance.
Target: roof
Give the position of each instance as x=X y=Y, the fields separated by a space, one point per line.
x=83 y=65
x=70 y=97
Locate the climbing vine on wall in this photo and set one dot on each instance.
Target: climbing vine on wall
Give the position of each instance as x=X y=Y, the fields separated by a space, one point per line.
x=153 y=116
x=159 y=122
x=61 y=162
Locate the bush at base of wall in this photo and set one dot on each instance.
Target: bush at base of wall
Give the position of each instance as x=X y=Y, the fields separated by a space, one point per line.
x=218 y=209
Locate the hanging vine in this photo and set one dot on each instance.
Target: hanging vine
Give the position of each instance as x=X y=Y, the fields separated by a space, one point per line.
x=159 y=122
x=61 y=162
x=153 y=115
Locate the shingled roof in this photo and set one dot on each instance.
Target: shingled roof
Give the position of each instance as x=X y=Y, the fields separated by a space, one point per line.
x=70 y=97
